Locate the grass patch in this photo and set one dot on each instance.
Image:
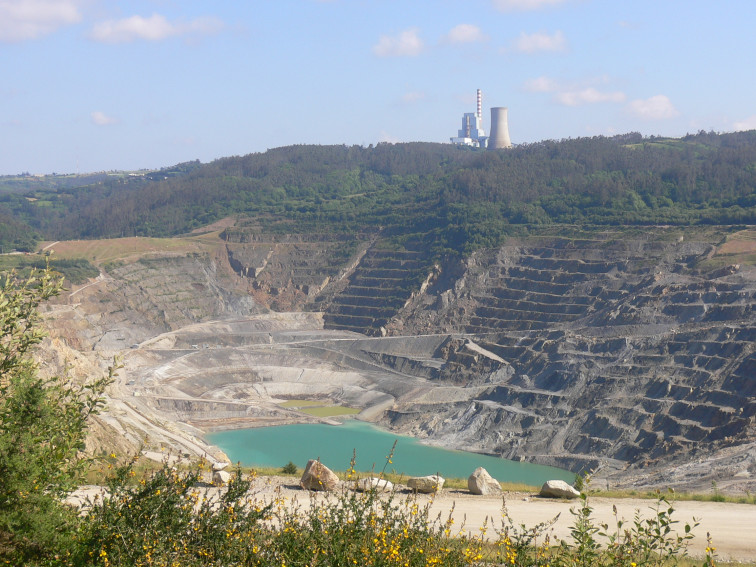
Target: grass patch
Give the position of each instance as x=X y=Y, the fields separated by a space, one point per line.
x=679 y=496
x=109 y=252
x=317 y=409
x=330 y=411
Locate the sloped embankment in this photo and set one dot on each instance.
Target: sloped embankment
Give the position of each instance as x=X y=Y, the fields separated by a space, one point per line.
x=617 y=350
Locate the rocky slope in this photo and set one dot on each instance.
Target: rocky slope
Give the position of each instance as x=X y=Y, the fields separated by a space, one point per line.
x=631 y=351
x=610 y=352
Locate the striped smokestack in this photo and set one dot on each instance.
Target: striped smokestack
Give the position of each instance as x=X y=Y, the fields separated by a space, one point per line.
x=480 y=105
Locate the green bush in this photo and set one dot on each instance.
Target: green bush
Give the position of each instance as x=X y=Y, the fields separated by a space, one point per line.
x=289 y=468
x=43 y=423
x=175 y=518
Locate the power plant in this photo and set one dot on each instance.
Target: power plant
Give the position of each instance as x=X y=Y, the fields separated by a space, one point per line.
x=472 y=133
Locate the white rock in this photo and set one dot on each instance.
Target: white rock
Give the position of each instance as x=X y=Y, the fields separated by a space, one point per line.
x=480 y=482
x=558 y=489
x=426 y=484
x=372 y=483
x=221 y=478
x=317 y=476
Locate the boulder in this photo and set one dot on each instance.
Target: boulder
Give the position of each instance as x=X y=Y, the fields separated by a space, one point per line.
x=558 y=489
x=219 y=466
x=372 y=483
x=426 y=484
x=317 y=476
x=480 y=482
x=221 y=478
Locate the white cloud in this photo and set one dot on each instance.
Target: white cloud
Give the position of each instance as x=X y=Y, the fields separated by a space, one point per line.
x=406 y=44
x=574 y=94
x=541 y=85
x=413 y=96
x=747 y=124
x=154 y=28
x=99 y=118
x=524 y=5
x=589 y=95
x=28 y=19
x=657 y=107
x=532 y=43
x=465 y=33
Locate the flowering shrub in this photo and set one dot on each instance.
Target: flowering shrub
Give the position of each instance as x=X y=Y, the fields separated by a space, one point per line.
x=173 y=519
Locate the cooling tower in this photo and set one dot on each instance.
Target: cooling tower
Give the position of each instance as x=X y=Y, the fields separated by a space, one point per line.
x=499 y=137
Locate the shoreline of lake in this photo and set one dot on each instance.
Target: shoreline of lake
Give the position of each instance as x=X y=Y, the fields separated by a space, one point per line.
x=276 y=445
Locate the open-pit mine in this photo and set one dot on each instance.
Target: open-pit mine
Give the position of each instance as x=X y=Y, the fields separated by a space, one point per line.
x=629 y=352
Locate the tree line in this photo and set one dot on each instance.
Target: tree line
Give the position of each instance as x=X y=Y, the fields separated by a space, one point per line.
x=460 y=198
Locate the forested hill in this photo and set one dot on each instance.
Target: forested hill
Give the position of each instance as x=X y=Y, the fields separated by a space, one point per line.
x=460 y=198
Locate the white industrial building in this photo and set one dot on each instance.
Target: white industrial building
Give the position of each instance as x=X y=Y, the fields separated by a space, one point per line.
x=472 y=133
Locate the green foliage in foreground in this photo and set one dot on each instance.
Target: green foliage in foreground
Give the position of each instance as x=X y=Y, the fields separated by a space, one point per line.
x=42 y=428
x=173 y=518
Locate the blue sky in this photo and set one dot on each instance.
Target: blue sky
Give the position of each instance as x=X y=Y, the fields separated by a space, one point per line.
x=91 y=85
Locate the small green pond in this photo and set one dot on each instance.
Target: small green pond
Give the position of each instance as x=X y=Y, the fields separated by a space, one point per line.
x=276 y=446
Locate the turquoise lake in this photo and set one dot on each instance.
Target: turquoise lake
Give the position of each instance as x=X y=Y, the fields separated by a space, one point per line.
x=276 y=446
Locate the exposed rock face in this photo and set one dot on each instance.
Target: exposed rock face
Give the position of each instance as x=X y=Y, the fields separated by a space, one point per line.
x=317 y=476
x=372 y=483
x=558 y=489
x=426 y=484
x=626 y=350
x=482 y=483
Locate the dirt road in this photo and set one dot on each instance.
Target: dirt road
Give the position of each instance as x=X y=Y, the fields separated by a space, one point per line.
x=732 y=526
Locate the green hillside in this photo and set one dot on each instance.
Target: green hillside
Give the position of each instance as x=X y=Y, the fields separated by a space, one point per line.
x=459 y=199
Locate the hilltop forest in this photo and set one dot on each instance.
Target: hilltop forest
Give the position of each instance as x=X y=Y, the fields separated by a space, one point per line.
x=457 y=199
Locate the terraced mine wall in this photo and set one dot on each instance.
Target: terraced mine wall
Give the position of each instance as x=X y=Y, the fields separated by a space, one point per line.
x=614 y=351
x=631 y=351
x=286 y=271
x=355 y=280
x=134 y=301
